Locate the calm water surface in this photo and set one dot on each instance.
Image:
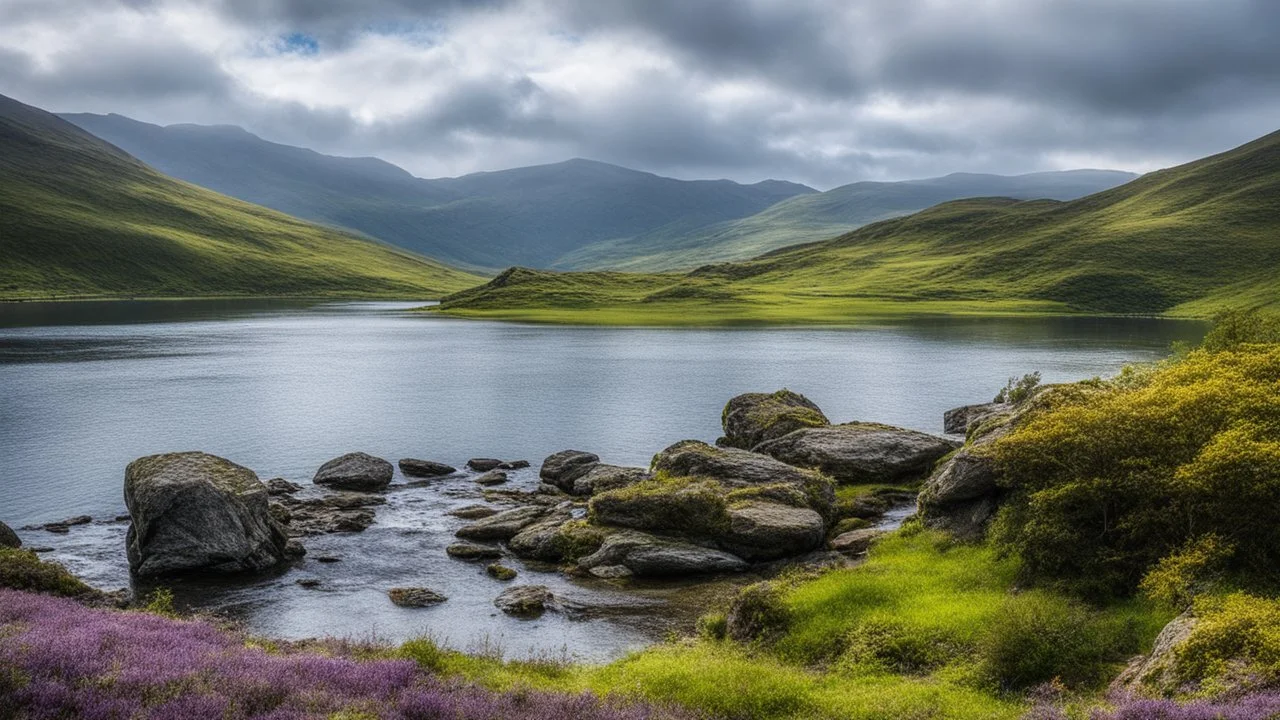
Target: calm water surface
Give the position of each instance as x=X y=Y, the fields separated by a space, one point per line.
x=282 y=387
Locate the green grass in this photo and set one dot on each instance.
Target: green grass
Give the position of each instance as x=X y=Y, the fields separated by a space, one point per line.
x=79 y=218
x=852 y=645
x=1189 y=241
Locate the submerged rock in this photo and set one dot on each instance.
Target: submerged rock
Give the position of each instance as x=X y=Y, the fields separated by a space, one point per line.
x=753 y=418
x=415 y=597
x=562 y=468
x=425 y=468
x=514 y=465
x=959 y=421
x=858 y=453
x=483 y=464
x=343 y=512
x=8 y=538
x=643 y=554
x=500 y=572
x=525 y=601
x=194 y=511
x=62 y=527
x=355 y=471
x=473 y=512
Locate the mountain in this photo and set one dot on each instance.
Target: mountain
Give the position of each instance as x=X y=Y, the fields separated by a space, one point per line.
x=528 y=216
x=80 y=217
x=819 y=216
x=1185 y=241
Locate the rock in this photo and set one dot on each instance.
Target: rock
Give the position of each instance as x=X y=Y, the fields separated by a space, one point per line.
x=562 y=468
x=540 y=541
x=603 y=478
x=503 y=525
x=737 y=468
x=753 y=418
x=62 y=527
x=193 y=511
x=309 y=583
x=472 y=551
x=855 y=542
x=767 y=531
x=328 y=559
x=483 y=464
x=611 y=572
x=694 y=508
x=526 y=601
x=1153 y=675
x=861 y=453
x=280 y=512
x=425 y=468
x=958 y=421
x=473 y=512
x=493 y=477
x=415 y=597
x=355 y=471
x=514 y=465
x=280 y=486
x=648 y=555
x=9 y=538
x=334 y=513
x=501 y=572
x=349 y=500
x=963 y=495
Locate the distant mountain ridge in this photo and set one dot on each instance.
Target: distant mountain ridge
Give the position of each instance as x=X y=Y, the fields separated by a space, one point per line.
x=80 y=217
x=530 y=215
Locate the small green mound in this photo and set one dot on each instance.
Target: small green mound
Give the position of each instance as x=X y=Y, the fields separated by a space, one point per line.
x=24 y=570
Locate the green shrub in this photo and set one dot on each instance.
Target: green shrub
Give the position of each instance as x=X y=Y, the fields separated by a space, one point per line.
x=1105 y=486
x=1195 y=569
x=24 y=570
x=889 y=645
x=160 y=602
x=1234 y=647
x=1018 y=390
x=1240 y=327
x=713 y=626
x=757 y=613
x=1038 y=637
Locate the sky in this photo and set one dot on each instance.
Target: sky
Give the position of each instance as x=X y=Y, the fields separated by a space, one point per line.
x=824 y=92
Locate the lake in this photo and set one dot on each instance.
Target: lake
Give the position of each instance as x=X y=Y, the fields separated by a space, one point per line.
x=281 y=387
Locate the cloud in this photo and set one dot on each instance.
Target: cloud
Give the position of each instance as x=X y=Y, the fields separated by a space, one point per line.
x=820 y=91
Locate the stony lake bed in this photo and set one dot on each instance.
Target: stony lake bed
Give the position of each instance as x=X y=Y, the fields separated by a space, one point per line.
x=373 y=377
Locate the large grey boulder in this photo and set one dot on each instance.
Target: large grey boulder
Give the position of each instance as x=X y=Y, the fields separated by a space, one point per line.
x=563 y=468
x=8 y=538
x=753 y=418
x=194 y=511
x=959 y=421
x=504 y=525
x=600 y=477
x=858 y=453
x=355 y=471
x=629 y=552
x=760 y=531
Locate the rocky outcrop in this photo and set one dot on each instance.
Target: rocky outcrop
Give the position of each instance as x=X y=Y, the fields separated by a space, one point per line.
x=761 y=531
x=415 y=597
x=600 y=477
x=507 y=524
x=525 y=601
x=563 y=468
x=9 y=538
x=629 y=552
x=413 y=467
x=483 y=464
x=753 y=418
x=194 y=511
x=355 y=471
x=859 y=453
x=959 y=421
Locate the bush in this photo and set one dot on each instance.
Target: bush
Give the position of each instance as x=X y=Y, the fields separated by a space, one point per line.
x=1234 y=647
x=1178 y=578
x=1106 y=486
x=1018 y=390
x=757 y=613
x=1041 y=637
x=1241 y=327
x=24 y=570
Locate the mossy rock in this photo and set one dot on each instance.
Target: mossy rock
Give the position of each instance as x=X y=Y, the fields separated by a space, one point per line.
x=669 y=505
x=753 y=418
x=501 y=572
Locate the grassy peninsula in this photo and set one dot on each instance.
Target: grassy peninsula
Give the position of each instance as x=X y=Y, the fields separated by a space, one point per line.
x=1187 y=242
x=81 y=218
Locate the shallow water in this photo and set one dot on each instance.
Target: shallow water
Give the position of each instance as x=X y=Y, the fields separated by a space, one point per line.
x=281 y=387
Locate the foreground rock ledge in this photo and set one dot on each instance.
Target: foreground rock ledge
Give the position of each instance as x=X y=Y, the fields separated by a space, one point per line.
x=195 y=511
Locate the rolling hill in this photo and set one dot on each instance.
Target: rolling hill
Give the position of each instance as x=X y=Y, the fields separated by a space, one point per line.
x=1185 y=241
x=528 y=216
x=80 y=217
x=819 y=216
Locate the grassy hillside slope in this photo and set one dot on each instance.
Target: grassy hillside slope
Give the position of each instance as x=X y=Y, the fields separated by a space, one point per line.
x=79 y=217
x=527 y=216
x=1185 y=241
x=809 y=218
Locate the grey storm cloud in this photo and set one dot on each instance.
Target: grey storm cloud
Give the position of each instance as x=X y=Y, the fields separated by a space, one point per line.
x=820 y=91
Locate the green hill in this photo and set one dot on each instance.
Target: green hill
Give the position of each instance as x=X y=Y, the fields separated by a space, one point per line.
x=818 y=216
x=528 y=216
x=1185 y=241
x=80 y=217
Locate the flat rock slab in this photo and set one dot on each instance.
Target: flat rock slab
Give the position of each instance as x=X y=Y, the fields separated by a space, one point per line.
x=483 y=464
x=355 y=471
x=767 y=531
x=415 y=597
x=643 y=555
x=858 y=453
x=503 y=525
x=855 y=542
x=473 y=512
x=413 y=467
x=600 y=477
x=465 y=550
